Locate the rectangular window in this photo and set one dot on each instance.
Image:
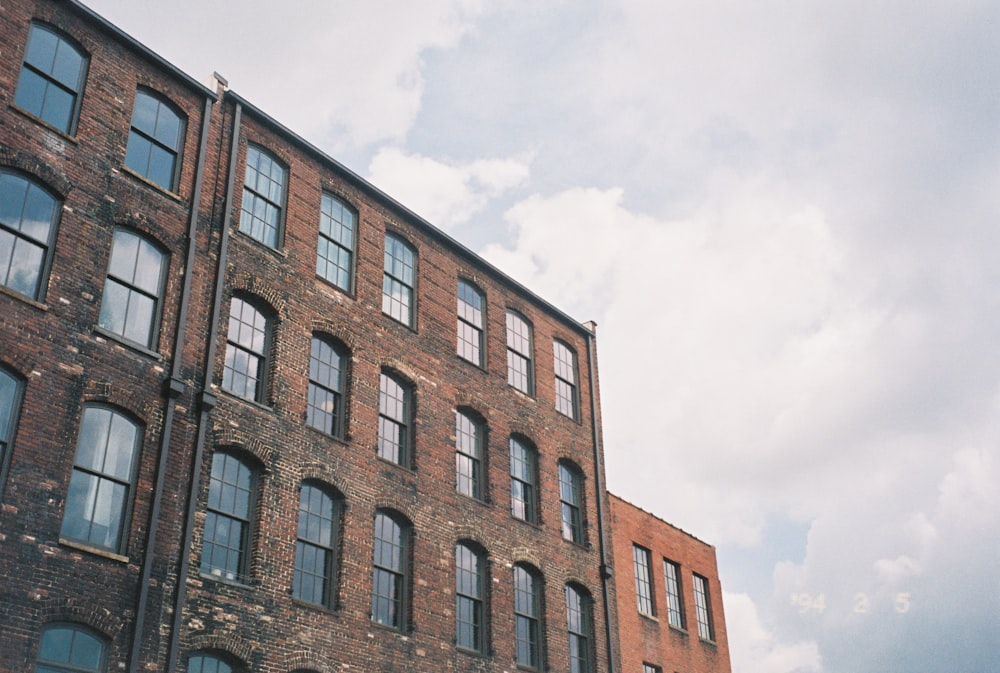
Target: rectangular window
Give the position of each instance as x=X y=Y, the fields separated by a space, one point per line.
x=523 y=477
x=468 y=455
x=470 y=323
x=154 y=141
x=567 y=397
x=703 y=608
x=643 y=581
x=133 y=291
x=398 y=280
x=335 y=247
x=28 y=219
x=263 y=197
x=394 y=401
x=519 y=367
x=101 y=484
x=675 y=602
x=649 y=668
x=226 y=543
x=51 y=79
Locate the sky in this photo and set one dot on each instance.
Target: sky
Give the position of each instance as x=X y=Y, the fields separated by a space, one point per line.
x=782 y=215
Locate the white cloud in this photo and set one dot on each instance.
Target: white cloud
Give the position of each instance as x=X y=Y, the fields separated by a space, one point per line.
x=755 y=649
x=445 y=194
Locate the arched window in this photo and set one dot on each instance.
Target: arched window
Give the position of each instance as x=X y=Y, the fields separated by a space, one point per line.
x=10 y=403
x=389 y=572
x=28 y=219
x=567 y=395
x=523 y=480
x=263 y=197
x=155 y=140
x=578 y=624
x=327 y=376
x=247 y=346
x=68 y=648
x=470 y=323
x=315 y=549
x=520 y=370
x=571 y=502
x=395 y=401
x=208 y=663
x=469 y=436
x=133 y=291
x=52 y=78
x=398 y=280
x=527 y=617
x=100 y=488
x=226 y=544
x=335 y=247
x=470 y=587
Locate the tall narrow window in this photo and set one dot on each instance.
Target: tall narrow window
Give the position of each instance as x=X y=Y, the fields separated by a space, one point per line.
x=133 y=291
x=523 y=478
x=154 y=141
x=28 y=217
x=389 y=572
x=578 y=624
x=469 y=587
x=51 y=79
x=468 y=455
x=527 y=617
x=394 y=403
x=263 y=197
x=519 y=367
x=10 y=402
x=703 y=608
x=226 y=546
x=67 y=648
x=314 y=550
x=326 y=384
x=571 y=500
x=335 y=248
x=246 y=351
x=208 y=663
x=643 y=581
x=567 y=397
x=100 y=487
x=470 y=323
x=398 y=280
x=675 y=602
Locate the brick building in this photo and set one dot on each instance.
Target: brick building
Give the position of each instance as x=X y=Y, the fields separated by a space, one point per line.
x=670 y=616
x=255 y=415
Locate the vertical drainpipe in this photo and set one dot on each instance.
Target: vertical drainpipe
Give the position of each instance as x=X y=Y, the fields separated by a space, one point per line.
x=173 y=388
x=207 y=401
x=606 y=573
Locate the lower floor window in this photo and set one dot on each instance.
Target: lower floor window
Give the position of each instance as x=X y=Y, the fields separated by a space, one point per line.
x=67 y=648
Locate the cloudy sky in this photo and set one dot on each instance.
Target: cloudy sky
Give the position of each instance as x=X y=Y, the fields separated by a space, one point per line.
x=782 y=214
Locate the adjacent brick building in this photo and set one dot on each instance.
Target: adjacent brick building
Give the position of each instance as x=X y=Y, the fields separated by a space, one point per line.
x=670 y=616
x=255 y=415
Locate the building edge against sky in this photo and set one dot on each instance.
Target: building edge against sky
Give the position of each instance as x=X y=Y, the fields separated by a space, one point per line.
x=257 y=415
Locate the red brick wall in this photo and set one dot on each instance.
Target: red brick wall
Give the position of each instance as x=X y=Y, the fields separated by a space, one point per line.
x=652 y=640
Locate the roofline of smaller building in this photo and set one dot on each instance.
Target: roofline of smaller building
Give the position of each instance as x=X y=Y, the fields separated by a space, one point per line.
x=143 y=49
x=663 y=521
x=376 y=193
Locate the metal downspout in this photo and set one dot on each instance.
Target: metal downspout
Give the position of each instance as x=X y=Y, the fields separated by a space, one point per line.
x=600 y=493
x=206 y=403
x=173 y=388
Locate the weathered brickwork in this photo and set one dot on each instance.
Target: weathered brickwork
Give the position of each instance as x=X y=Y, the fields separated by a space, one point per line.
x=173 y=389
x=652 y=639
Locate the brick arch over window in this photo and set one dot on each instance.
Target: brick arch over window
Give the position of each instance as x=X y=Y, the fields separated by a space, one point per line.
x=309 y=661
x=141 y=409
x=247 y=284
x=326 y=474
x=525 y=555
x=78 y=611
x=241 y=442
x=149 y=227
x=336 y=331
x=227 y=645
x=57 y=182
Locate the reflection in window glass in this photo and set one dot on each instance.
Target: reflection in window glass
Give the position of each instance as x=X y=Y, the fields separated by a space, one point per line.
x=101 y=482
x=28 y=216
